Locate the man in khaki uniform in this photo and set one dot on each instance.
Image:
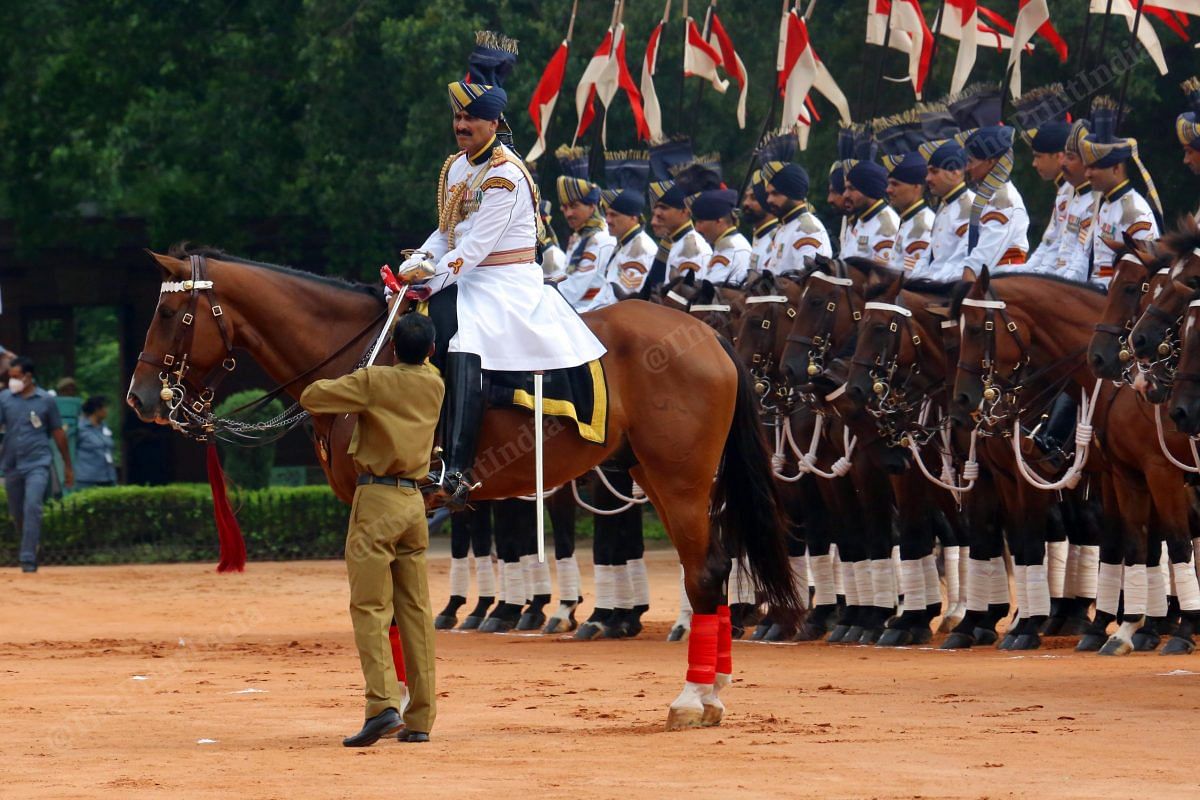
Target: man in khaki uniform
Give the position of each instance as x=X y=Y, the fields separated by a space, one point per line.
x=397 y=411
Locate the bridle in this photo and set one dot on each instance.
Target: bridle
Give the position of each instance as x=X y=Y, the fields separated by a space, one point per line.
x=894 y=402
x=820 y=342
x=1168 y=349
x=1001 y=393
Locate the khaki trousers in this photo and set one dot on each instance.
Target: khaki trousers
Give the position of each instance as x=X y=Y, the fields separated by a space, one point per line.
x=385 y=561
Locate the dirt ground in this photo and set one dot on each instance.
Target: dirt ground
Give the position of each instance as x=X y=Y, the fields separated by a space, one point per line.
x=174 y=681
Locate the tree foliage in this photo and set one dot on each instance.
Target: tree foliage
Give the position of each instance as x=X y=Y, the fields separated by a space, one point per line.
x=294 y=124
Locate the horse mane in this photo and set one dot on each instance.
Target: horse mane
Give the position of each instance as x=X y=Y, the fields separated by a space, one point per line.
x=959 y=290
x=919 y=285
x=1184 y=239
x=183 y=250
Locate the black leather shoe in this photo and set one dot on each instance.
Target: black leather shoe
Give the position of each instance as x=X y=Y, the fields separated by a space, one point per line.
x=416 y=737
x=383 y=724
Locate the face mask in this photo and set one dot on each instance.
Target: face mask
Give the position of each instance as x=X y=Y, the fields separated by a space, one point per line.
x=16 y=385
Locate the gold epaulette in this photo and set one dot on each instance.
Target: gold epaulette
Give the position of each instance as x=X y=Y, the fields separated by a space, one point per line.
x=441 y=188
x=498 y=156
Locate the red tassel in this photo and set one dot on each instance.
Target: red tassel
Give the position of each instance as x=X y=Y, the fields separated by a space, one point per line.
x=702 y=649
x=229 y=534
x=397 y=653
x=724 y=641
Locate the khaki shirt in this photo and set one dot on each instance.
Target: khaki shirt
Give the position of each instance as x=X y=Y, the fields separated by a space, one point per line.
x=397 y=411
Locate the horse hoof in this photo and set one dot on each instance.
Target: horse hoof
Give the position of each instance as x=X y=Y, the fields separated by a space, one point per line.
x=617 y=631
x=895 y=637
x=1178 y=646
x=471 y=623
x=1146 y=642
x=679 y=719
x=496 y=625
x=870 y=635
x=958 y=641
x=1116 y=647
x=1090 y=643
x=985 y=636
x=555 y=625
x=838 y=634
x=921 y=634
x=949 y=624
x=1053 y=626
x=777 y=633
x=678 y=634
x=852 y=635
x=589 y=630
x=760 y=631
x=1027 y=641
x=445 y=622
x=712 y=716
x=1007 y=642
x=809 y=633
x=531 y=621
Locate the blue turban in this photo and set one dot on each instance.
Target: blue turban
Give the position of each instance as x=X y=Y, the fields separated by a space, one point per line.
x=629 y=203
x=1051 y=137
x=990 y=141
x=671 y=195
x=792 y=181
x=949 y=156
x=869 y=178
x=714 y=204
x=912 y=169
x=837 y=178
x=477 y=99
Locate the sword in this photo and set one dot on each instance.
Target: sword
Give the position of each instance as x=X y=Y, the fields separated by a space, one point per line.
x=390 y=281
x=539 y=503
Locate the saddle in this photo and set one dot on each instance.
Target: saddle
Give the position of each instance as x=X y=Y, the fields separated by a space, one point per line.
x=577 y=393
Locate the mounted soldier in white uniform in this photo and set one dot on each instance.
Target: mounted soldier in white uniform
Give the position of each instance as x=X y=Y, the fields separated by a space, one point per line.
x=628 y=176
x=729 y=262
x=505 y=317
x=586 y=285
x=1042 y=119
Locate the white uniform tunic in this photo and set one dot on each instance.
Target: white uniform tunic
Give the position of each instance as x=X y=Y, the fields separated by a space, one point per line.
x=1003 y=232
x=506 y=313
x=631 y=260
x=948 y=245
x=689 y=252
x=846 y=235
x=730 y=259
x=911 y=251
x=800 y=235
x=763 y=243
x=554 y=261
x=1045 y=257
x=874 y=233
x=1121 y=211
x=587 y=286
x=1075 y=245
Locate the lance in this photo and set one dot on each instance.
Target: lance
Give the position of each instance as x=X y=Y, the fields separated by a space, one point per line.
x=887 y=40
x=770 y=117
x=1103 y=27
x=937 y=32
x=1137 y=21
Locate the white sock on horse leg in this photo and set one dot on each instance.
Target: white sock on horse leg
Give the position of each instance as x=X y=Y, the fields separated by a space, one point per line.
x=1088 y=574
x=485 y=576
x=849 y=588
x=1136 y=589
x=1056 y=568
x=912 y=585
x=824 y=583
x=839 y=574
x=685 y=603
x=1021 y=585
x=998 y=593
x=1108 y=587
x=799 y=567
x=964 y=569
x=933 y=585
x=540 y=583
x=640 y=580
x=863 y=588
x=745 y=584
x=883 y=583
x=527 y=576
x=460 y=577
x=567 y=570
x=1037 y=590
x=896 y=575
x=1071 y=579
x=950 y=556
x=1187 y=588
x=810 y=579
x=623 y=596
x=979 y=580
x=1156 y=591
x=514 y=583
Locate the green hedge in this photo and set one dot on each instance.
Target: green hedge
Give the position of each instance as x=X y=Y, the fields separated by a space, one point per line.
x=124 y=524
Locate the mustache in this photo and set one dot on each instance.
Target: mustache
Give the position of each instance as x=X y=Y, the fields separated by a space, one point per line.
x=462 y=131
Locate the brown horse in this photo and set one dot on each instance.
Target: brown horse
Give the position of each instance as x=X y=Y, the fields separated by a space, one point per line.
x=680 y=409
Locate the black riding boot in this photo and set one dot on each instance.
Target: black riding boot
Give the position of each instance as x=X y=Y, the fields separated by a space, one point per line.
x=1059 y=429
x=465 y=383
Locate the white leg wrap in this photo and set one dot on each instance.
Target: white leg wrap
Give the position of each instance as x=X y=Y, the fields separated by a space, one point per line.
x=568 y=579
x=849 y=585
x=1187 y=587
x=1087 y=575
x=912 y=585
x=979 y=579
x=1135 y=586
x=460 y=576
x=541 y=576
x=1056 y=568
x=883 y=583
x=624 y=587
x=485 y=576
x=1108 y=587
x=998 y=593
x=1020 y=584
x=527 y=575
x=799 y=565
x=862 y=582
x=964 y=569
x=933 y=584
x=839 y=577
x=606 y=585
x=950 y=556
x=640 y=580
x=1037 y=590
x=1156 y=591
x=895 y=602
x=823 y=579
x=514 y=582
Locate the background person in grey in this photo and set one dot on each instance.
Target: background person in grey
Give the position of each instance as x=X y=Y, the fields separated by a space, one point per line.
x=94 y=446
x=30 y=418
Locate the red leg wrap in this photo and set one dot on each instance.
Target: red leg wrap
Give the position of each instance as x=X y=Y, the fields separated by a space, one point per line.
x=702 y=649
x=397 y=653
x=724 y=641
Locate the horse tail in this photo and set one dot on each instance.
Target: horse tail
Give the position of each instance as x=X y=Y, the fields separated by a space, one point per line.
x=748 y=509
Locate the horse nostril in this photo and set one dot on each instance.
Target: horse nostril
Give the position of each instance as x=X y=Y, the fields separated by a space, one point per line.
x=1139 y=342
x=1097 y=361
x=962 y=400
x=134 y=401
x=1178 y=414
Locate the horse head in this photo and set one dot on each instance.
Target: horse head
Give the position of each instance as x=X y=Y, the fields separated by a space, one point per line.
x=1184 y=402
x=880 y=343
x=1138 y=271
x=828 y=312
x=1151 y=336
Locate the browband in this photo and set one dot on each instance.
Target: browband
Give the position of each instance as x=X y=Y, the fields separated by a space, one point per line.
x=766 y=298
x=170 y=287
x=710 y=307
x=996 y=304
x=895 y=309
x=833 y=280
x=683 y=301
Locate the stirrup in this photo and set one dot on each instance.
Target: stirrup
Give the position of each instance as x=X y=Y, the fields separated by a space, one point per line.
x=455 y=490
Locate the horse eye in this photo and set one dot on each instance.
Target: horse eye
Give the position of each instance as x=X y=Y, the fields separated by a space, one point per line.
x=165 y=312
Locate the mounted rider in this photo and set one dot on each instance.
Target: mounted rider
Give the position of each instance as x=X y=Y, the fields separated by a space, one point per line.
x=1075 y=244
x=489 y=301
x=875 y=223
x=590 y=247
x=801 y=235
x=712 y=211
x=999 y=230
x=1043 y=121
x=1187 y=128
x=628 y=176
x=676 y=173
x=899 y=140
x=764 y=223
x=953 y=201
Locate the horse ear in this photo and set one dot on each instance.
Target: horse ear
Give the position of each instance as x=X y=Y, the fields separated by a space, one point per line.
x=969 y=275
x=171 y=267
x=985 y=279
x=1126 y=242
x=897 y=284
x=689 y=278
